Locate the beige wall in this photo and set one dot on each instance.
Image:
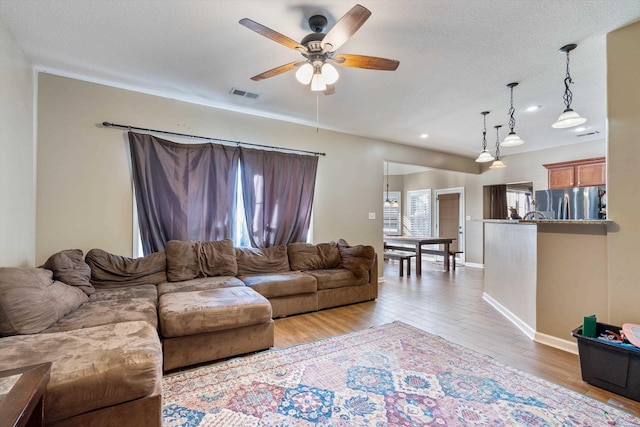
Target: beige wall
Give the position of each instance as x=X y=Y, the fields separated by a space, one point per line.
x=623 y=172
x=84 y=178
x=520 y=168
x=17 y=148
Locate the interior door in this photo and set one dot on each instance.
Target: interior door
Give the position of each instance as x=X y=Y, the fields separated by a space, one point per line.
x=449 y=217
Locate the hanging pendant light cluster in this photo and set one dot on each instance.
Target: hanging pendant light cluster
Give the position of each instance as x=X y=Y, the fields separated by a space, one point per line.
x=497 y=163
x=512 y=140
x=388 y=203
x=568 y=118
x=484 y=156
x=318 y=73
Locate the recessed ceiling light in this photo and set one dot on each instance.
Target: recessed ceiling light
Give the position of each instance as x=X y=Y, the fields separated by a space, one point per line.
x=424 y=136
x=533 y=108
x=581 y=128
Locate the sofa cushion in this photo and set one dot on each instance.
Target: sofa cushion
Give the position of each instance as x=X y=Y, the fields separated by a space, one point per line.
x=263 y=260
x=187 y=260
x=30 y=300
x=109 y=270
x=337 y=278
x=281 y=284
x=91 y=368
x=199 y=284
x=112 y=305
x=69 y=267
x=357 y=259
x=306 y=256
x=190 y=313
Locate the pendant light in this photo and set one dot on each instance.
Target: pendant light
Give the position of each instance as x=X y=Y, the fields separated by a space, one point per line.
x=497 y=164
x=387 y=202
x=485 y=156
x=512 y=140
x=568 y=118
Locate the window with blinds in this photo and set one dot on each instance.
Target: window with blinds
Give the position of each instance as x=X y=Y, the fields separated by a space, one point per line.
x=392 y=221
x=419 y=212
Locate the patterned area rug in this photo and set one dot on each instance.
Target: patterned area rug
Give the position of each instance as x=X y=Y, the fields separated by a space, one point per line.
x=392 y=375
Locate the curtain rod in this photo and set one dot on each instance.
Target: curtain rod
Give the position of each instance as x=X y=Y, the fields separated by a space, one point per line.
x=295 y=150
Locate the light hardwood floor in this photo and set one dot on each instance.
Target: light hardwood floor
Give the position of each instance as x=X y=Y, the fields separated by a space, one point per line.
x=450 y=305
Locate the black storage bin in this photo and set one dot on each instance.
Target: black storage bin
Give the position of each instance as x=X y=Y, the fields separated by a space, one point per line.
x=609 y=366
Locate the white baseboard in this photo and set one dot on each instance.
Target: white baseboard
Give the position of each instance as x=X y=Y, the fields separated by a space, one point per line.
x=528 y=330
x=551 y=341
x=559 y=343
x=473 y=264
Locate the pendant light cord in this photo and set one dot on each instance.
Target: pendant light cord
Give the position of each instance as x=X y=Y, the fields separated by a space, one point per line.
x=568 y=95
x=512 y=120
x=484 y=133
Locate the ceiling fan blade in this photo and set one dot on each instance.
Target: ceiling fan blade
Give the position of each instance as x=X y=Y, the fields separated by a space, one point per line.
x=345 y=28
x=278 y=70
x=368 y=62
x=273 y=35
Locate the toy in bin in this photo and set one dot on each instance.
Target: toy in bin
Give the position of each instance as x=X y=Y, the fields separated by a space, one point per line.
x=631 y=332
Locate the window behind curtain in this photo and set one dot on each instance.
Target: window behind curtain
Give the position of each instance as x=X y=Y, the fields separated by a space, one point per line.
x=210 y=192
x=392 y=222
x=419 y=212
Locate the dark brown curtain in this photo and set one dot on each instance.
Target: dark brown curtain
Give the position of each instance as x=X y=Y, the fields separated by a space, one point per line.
x=183 y=191
x=498 y=202
x=277 y=189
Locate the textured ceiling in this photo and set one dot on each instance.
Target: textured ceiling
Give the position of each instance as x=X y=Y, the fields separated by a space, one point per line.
x=456 y=57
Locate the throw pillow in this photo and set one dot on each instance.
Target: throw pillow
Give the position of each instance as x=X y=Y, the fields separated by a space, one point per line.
x=357 y=259
x=187 y=260
x=261 y=261
x=218 y=258
x=306 y=256
x=109 y=270
x=31 y=301
x=69 y=267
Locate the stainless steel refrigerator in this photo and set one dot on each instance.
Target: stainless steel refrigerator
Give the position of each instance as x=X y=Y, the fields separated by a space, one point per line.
x=571 y=203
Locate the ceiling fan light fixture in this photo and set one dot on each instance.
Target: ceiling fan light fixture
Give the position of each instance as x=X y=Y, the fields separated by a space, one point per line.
x=330 y=74
x=317 y=82
x=305 y=73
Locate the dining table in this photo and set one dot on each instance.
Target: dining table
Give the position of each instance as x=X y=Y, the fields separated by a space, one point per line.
x=419 y=242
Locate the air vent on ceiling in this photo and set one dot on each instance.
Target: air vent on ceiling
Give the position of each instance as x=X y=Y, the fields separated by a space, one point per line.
x=244 y=93
x=595 y=132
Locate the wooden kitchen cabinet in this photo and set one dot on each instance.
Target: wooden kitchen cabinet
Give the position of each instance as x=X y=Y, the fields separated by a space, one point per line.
x=577 y=173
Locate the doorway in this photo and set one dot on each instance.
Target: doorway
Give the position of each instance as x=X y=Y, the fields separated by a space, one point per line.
x=450 y=218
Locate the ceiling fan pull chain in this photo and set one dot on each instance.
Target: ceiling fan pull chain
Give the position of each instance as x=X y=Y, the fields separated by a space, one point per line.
x=317 y=112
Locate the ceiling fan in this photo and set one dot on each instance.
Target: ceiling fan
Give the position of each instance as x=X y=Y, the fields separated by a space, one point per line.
x=319 y=49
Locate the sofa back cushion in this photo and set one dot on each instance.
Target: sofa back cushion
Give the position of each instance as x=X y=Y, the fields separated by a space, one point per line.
x=109 y=270
x=306 y=256
x=188 y=260
x=357 y=259
x=68 y=266
x=263 y=260
x=31 y=301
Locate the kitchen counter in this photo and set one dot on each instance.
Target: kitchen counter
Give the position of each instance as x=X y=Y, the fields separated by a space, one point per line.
x=551 y=221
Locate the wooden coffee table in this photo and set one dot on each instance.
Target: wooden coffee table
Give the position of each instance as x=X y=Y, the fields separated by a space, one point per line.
x=23 y=404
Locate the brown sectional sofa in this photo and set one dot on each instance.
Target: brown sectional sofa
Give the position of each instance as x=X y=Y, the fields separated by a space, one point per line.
x=110 y=324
